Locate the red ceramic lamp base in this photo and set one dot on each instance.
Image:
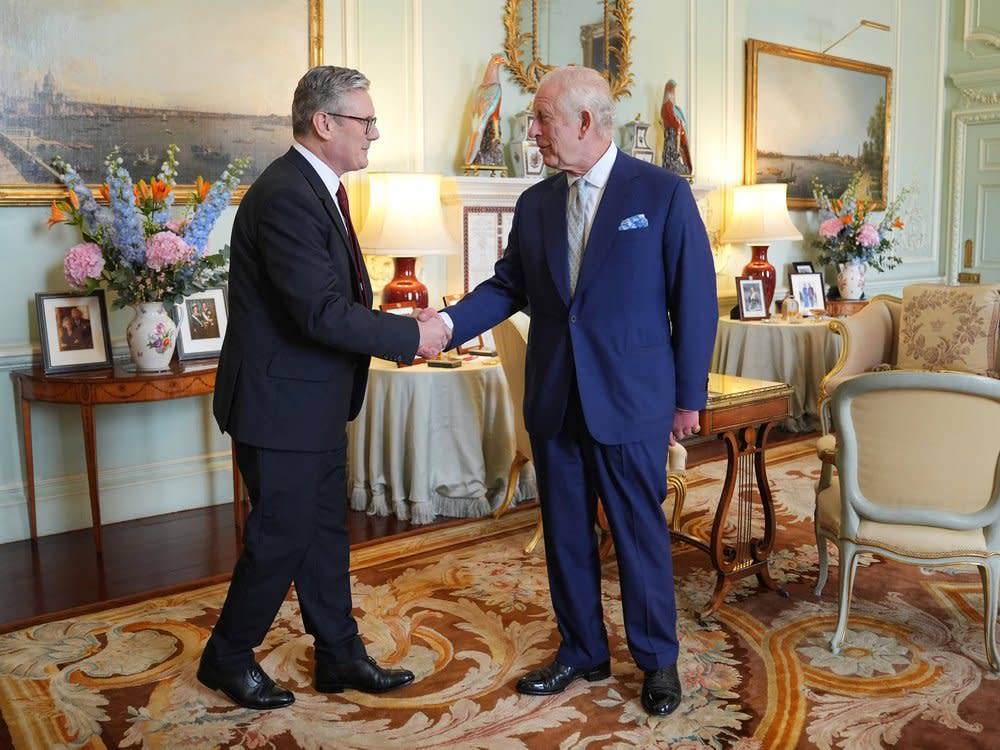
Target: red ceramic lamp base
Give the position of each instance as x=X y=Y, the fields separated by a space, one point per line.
x=760 y=268
x=405 y=287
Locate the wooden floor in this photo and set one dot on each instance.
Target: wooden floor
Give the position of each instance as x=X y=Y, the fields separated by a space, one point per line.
x=62 y=573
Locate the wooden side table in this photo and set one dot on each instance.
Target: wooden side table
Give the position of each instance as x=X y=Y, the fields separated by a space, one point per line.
x=115 y=386
x=839 y=308
x=740 y=412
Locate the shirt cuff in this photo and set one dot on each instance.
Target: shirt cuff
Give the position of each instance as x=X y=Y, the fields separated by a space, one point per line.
x=447 y=320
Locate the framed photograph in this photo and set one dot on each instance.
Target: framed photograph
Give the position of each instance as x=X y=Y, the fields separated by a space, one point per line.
x=202 y=319
x=73 y=331
x=814 y=115
x=750 y=294
x=802 y=266
x=807 y=288
x=55 y=106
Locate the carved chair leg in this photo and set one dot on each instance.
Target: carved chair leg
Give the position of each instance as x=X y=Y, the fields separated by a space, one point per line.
x=515 y=469
x=679 y=485
x=604 y=533
x=536 y=537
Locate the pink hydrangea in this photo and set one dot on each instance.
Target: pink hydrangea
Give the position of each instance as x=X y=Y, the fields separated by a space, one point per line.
x=83 y=262
x=176 y=225
x=165 y=249
x=868 y=236
x=830 y=228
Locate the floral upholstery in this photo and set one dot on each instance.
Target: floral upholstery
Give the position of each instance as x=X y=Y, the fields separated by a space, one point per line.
x=949 y=328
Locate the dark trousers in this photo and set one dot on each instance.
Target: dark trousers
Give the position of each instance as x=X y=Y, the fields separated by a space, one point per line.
x=573 y=470
x=296 y=532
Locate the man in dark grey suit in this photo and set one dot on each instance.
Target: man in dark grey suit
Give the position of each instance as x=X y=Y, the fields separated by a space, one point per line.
x=292 y=372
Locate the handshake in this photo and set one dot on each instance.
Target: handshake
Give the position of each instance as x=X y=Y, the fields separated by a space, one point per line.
x=434 y=333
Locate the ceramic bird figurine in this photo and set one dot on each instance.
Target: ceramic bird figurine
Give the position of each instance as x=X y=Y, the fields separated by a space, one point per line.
x=676 y=153
x=484 y=147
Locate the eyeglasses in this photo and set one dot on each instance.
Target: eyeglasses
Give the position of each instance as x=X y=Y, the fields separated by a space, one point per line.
x=368 y=121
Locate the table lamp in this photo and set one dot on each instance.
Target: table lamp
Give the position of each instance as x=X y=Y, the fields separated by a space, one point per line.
x=758 y=217
x=405 y=221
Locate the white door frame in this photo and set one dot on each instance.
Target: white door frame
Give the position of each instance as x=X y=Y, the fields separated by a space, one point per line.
x=960 y=122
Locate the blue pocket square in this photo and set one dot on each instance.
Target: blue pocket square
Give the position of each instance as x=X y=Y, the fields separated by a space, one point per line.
x=633 y=222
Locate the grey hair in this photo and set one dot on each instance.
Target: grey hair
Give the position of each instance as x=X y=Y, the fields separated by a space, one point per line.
x=584 y=88
x=320 y=90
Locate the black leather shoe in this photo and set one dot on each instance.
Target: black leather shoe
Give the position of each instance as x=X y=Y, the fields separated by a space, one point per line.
x=250 y=687
x=556 y=677
x=661 y=691
x=364 y=675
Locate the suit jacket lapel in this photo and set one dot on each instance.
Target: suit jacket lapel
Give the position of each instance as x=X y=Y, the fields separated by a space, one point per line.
x=329 y=205
x=553 y=215
x=604 y=231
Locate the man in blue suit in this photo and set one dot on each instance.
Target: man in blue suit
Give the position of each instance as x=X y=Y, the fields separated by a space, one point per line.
x=616 y=368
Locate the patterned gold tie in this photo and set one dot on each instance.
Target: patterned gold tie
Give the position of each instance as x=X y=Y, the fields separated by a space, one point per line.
x=576 y=219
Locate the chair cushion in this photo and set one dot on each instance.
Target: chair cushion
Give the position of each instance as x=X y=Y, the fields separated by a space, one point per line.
x=910 y=540
x=950 y=328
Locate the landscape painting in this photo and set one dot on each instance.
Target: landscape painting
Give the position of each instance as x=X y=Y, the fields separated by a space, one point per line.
x=813 y=115
x=79 y=79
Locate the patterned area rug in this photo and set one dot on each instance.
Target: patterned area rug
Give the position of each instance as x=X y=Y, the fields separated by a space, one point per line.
x=469 y=616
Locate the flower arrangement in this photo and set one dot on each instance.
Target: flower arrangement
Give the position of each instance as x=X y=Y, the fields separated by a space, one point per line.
x=847 y=233
x=134 y=245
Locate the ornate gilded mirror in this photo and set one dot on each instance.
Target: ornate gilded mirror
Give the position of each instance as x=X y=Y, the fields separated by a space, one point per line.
x=560 y=32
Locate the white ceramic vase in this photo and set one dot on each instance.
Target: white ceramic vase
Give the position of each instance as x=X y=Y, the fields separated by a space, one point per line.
x=851 y=279
x=152 y=336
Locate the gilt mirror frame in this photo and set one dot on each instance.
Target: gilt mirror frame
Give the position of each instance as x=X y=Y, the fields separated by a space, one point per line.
x=44 y=187
x=527 y=72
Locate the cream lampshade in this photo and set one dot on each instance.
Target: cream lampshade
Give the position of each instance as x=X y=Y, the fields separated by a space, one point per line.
x=405 y=221
x=759 y=216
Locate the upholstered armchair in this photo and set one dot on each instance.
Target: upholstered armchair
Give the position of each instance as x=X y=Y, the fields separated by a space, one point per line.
x=888 y=499
x=932 y=327
x=511 y=338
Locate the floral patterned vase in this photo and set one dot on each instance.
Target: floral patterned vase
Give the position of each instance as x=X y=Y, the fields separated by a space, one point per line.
x=152 y=336
x=851 y=279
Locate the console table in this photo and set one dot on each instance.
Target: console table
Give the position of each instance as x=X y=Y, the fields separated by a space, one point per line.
x=119 y=385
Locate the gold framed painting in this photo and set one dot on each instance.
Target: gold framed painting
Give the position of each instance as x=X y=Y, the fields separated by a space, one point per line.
x=77 y=85
x=814 y=115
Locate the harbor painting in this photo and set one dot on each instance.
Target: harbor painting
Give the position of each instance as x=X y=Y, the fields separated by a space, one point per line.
x=810 y=115
x=77 y=81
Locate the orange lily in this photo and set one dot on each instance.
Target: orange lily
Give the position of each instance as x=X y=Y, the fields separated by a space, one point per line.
x=161 y=190
x=58 y=214
x=898 y=224
x=142 y=192
x=74 y=201
x=846 y=219
x=105 y=192
x=202 y=187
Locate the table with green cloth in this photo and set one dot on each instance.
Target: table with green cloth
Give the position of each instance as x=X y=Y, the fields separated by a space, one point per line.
x=434 y=442
x=798 y=353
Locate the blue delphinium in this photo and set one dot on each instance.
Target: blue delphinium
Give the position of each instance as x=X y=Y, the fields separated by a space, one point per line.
x=207 y=211
x=127 y=227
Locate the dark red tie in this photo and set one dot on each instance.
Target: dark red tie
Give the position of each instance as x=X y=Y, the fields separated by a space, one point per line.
x=345 y=209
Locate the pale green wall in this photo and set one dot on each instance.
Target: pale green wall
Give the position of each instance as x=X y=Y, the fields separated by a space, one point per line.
x=425 y=59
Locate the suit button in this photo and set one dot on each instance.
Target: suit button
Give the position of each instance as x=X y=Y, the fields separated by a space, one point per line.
x=572 y=318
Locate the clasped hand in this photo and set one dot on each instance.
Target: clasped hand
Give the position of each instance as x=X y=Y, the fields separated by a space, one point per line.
x=434 y=333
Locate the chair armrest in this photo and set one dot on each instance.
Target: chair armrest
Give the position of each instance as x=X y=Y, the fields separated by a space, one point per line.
x=867 y=339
